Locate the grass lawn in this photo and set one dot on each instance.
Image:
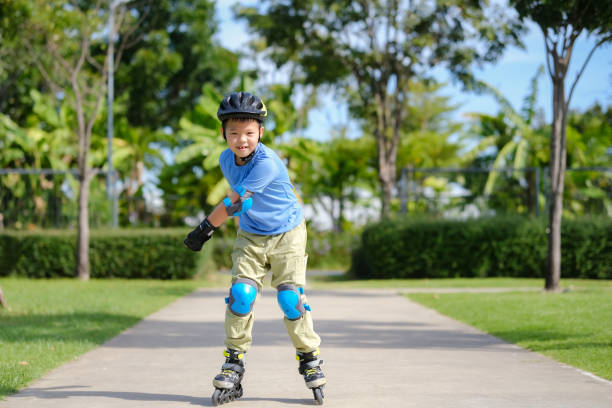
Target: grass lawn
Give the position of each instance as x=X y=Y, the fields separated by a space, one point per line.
x=53 y=321
x=344 y=282
x=574 y=327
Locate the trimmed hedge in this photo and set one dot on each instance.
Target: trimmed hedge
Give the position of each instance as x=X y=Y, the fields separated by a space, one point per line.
x=486 y=247
x=151 y=254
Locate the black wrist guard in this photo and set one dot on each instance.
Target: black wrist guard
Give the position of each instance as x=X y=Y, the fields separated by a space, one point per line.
x=202 y=233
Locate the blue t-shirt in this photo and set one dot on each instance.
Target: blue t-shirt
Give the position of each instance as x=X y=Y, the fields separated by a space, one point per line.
x=275 y=206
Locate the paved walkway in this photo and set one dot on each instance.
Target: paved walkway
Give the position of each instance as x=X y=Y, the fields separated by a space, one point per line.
x=379 y=348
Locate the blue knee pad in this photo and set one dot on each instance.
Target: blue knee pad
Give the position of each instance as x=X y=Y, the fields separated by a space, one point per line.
x=290 y=300
x=242 y=297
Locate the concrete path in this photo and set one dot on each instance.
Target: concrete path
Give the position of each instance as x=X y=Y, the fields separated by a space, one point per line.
x=379 y=349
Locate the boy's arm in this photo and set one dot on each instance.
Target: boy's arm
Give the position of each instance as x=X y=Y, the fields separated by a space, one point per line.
x=219 y=214
x=233 y=205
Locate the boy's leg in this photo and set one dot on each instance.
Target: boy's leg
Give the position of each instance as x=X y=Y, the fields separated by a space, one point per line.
x=288 y=263
x=248 y=271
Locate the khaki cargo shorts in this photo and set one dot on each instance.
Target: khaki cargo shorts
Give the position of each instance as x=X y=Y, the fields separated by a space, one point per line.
x=284 y=255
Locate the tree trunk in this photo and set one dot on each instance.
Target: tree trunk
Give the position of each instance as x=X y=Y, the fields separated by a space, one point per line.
x=82 y=252
x=531 y=191
x=2 y=300
x=386 y=176
x=557 y=178
x=386 y=169
x=340 y=221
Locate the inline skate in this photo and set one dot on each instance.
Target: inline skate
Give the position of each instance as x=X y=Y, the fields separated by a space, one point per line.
x=227 y=382
x=310 y=368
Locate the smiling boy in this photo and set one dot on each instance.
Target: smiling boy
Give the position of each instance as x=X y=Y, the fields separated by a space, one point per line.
x=271 y=237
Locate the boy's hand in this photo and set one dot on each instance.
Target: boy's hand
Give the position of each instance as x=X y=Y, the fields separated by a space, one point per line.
x=202 y=233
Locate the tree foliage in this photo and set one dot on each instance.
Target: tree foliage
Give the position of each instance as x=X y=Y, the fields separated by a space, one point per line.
x=201 y=145
x=589 y=138
x=47 y=142
x=18 y=74
x=337 y=174
x=511 y=139
x=175 y=55
x=374 y=49
x=167 y=49
x=62 y=39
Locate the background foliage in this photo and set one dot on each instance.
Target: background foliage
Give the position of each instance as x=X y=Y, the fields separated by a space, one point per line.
x=173 y=69
x=486 y=247
x=136 y=253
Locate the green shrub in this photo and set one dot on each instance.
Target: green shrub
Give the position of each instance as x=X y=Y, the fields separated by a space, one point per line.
x=150 y=253
x=587 y=249
x=222 y=251
x=486 y=247
x=330 y=250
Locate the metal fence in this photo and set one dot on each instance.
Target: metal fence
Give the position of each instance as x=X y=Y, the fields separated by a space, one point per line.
x=47 y=198
x=43 y=198
x=465 y=192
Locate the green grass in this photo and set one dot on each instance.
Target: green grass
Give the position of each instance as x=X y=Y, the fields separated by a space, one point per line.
x=345 y=282
x=53 y=321
x=573 y=327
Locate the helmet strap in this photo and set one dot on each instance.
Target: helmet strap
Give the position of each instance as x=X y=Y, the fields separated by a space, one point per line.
x=244 y=160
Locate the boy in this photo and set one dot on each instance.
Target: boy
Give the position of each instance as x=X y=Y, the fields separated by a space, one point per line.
x=271 y=236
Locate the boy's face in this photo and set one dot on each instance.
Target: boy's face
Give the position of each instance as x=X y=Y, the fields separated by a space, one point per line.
x=242 y=136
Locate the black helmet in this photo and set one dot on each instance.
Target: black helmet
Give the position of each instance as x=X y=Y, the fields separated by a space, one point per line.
x=242 y=105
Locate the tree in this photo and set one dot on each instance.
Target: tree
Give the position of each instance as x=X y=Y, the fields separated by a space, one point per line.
x=175 y=55
x=336 y=172
x=172 y=60
x=286 y=117
x=427 y=139
x=133 y=151
x=62 y=38
x=561 y=23
x=18 y=74
x=589 y=136
x=373 y=50
x=46 y=142
x=201 y=146
x=519 y=143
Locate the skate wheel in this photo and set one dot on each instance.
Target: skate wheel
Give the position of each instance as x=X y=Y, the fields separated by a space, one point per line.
x=239 y=392
x=318 y=395
x=216 y=397
x=223 y=396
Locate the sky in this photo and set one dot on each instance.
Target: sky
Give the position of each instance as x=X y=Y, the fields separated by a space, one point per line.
x=511 y=75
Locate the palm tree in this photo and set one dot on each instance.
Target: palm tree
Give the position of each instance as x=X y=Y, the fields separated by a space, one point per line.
x=133 y=152
x=427 y=142
x=517 y=141
x=47 y=143
x=202 y=142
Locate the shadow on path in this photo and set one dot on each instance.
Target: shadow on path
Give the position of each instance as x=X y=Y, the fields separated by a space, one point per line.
x=69 y=391
x=271 y=332
x=75 y=391
x=299 y=401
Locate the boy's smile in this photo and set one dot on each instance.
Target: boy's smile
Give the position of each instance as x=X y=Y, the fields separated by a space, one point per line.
x=243 y=136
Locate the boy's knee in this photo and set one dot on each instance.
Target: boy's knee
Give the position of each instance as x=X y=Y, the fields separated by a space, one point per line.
x=242 y=296
x=289 y=299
